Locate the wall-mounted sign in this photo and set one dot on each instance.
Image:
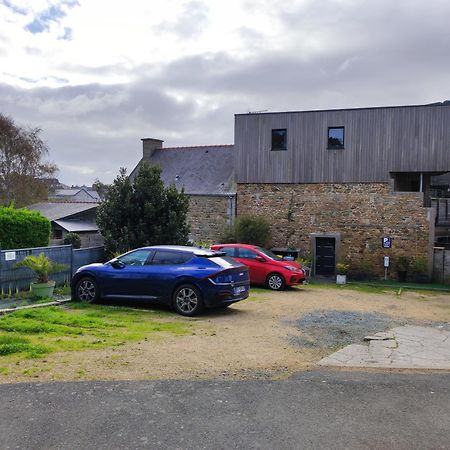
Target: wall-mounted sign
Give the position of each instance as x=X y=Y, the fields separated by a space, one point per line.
x=10 y=256
x=387 y=242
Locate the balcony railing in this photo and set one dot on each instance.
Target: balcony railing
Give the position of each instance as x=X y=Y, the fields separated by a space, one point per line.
x=442 y=206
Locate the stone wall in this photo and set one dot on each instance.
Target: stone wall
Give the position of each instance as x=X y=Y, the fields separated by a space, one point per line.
x=208 y=216
x=360 y=214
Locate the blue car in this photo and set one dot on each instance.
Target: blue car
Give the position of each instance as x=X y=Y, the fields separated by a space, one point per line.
x=188 y=278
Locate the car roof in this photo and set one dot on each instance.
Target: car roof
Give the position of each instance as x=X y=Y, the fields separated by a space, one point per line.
x=253 y=247
x=184 y=248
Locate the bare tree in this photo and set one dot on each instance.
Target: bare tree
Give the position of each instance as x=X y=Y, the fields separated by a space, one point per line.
x=22 y=167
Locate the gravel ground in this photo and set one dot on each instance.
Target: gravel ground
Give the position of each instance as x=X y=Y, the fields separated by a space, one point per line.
x=334 y=329
x=269 y=336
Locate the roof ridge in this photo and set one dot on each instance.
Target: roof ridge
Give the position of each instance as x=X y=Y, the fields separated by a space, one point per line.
x=196 y=146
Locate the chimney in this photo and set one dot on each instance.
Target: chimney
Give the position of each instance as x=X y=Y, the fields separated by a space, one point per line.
x=149 y=145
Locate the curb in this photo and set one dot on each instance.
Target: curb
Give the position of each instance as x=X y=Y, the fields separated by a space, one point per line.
x=39 y=305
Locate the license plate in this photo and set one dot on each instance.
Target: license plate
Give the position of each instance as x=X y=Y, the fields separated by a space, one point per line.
x=239 y=289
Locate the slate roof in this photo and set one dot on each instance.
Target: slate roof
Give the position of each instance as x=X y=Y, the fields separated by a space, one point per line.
x=58 y=210
x=201 y=170
x=76 y=226
x=67 y=193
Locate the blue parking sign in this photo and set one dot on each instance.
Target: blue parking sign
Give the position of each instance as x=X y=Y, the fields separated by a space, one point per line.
x=387 y=242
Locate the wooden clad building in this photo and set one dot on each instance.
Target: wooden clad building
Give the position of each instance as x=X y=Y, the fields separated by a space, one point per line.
x=335 y=183
x=378 y=143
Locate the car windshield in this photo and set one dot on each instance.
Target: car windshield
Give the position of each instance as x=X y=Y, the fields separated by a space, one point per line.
x=269 y=254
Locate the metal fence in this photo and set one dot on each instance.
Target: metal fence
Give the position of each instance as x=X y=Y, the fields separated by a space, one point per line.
x=441 y=265
x=14 y=279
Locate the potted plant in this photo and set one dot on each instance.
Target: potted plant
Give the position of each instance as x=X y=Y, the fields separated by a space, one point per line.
x=341 y=269
x=402 y=266
x=43 y=267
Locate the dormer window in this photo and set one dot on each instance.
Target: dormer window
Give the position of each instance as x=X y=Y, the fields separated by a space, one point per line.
x=336 y=138
x=279 y=139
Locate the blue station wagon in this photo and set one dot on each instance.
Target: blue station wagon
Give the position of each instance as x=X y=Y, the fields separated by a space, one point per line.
x=187 y=278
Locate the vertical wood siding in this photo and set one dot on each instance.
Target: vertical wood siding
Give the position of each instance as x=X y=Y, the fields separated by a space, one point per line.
x=377 y=141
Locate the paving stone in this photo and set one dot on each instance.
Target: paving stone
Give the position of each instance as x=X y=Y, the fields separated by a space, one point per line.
x=406 y=347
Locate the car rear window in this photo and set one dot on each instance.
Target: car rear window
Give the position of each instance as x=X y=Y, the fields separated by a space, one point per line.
x=164 y=257
x=225 y=262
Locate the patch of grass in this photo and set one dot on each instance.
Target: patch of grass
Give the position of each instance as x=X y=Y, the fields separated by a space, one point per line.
x=383 y=287
x=4 y=370
x=35 y=332
x=10 y=344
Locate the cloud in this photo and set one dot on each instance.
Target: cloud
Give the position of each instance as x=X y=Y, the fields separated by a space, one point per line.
x=190 y=23
x=53 y=13
x=67 y=34
x=15 y=9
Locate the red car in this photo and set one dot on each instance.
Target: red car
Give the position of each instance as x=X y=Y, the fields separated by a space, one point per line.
x=265 y=267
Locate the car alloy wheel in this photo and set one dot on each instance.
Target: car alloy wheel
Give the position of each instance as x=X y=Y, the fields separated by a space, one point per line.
x=187 y=300
x=86 y=290
x=275 y=282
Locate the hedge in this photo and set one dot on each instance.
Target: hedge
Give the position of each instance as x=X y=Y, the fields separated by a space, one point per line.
x=20 y=228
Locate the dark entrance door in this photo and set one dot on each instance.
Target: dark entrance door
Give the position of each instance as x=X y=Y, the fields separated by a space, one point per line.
x=325 y=256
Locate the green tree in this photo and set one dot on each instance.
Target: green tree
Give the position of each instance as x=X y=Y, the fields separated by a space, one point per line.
x=100 y=187
x=143 y=212
x=22 y=168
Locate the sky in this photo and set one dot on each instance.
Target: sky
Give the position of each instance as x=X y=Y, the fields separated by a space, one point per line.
x=98 y=75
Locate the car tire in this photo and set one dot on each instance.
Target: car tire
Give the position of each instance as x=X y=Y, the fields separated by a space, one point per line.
x=187 y=300
x=86 y=290
x=275 y=281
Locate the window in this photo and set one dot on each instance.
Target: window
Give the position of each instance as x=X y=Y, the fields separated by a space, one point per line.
x=57 y=233
x=335 y=138
x=279 y=139
x=229 y=251
x=163 y=257
x=136 y=258
x=247 y=254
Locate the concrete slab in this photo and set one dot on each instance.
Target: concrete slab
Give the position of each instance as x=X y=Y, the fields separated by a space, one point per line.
x=407 y=347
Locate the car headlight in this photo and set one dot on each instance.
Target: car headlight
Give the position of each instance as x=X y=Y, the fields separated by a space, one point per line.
x=294 y=269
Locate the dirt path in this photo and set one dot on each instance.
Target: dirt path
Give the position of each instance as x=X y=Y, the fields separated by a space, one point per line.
x=252 y=339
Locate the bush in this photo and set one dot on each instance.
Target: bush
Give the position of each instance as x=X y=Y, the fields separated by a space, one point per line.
x=253 y=230
x=20 y=228
x=73 y=239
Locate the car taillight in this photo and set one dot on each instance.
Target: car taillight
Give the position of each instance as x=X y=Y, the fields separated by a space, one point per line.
x=221 y=278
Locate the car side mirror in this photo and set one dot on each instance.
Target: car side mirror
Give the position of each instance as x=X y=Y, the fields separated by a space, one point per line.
x=117 y=264
x=260 y=258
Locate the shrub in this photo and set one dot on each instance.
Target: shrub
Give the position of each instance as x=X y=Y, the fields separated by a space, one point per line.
x=73 y=239
x=403 y=263
x=20 y=228
x=228 y=236
x=419 y=266
x=253 y=230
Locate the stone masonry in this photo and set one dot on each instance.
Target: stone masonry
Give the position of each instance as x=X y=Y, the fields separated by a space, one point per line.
x=359 y=213
x=208 y=216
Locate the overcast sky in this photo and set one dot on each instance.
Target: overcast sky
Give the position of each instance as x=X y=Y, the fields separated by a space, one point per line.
x=99 y=75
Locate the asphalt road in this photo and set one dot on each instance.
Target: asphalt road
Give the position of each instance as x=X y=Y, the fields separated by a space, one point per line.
x=315 y=410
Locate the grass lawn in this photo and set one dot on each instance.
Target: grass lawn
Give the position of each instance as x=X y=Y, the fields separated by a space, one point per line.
x=381 y=287
x=34 y=333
